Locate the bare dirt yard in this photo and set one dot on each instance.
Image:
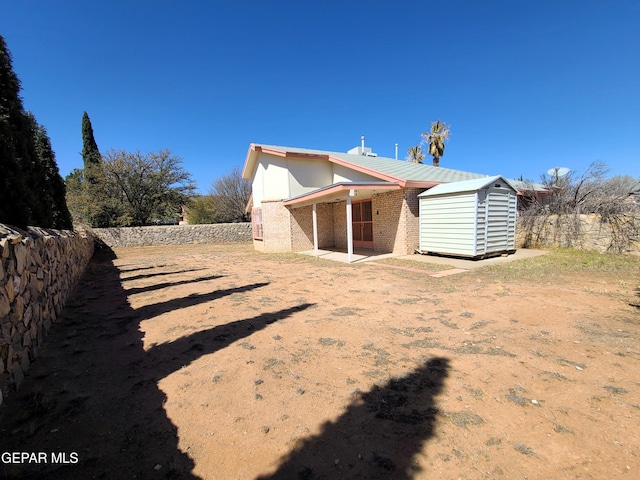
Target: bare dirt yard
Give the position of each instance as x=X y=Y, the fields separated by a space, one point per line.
x=216 y=362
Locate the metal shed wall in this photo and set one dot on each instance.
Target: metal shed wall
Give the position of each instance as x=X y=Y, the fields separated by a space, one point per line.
x=447 y=224
x=470 y=223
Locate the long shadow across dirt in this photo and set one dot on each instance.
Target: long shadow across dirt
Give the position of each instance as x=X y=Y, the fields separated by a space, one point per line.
x=92 y=395
x=379 y=434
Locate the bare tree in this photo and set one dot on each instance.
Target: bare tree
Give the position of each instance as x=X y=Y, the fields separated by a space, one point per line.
x=232 y=193
x=150 y=187
x=560 y=215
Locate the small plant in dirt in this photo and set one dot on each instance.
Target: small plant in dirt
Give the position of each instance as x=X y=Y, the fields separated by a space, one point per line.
x=525 y=450
x=515 y=397
x=449 y=324
x=381 y=356
x=330 y=342
x=561 y=429
x=615 y=390
x=464 y=419
x=555 y=376
x=569 y=363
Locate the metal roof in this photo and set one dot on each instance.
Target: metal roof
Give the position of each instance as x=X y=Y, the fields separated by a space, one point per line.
x=386 y=169
x=399 y=169
x=464 y=186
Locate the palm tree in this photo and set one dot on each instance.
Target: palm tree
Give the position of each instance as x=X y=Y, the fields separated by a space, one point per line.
x=415 y=154
x=435 y=137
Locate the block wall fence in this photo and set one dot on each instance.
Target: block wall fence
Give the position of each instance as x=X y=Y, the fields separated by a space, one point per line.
x=39 y=268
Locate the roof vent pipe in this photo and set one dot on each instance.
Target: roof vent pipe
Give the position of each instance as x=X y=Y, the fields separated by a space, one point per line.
x=396 y=151
x=362 y=140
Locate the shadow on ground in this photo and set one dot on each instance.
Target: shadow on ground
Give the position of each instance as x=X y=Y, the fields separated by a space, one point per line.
x=378 y=436
x=93 y=393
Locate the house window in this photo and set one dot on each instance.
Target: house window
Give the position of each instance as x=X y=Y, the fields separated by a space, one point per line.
x=256 y=223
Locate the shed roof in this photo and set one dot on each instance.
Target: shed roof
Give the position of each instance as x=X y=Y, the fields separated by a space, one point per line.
x=466 y=186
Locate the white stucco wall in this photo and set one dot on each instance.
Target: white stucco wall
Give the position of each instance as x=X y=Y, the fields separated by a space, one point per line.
x=344 y=174
x=278 y=178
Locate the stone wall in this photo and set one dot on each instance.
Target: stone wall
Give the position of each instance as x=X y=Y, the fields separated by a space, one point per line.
x=174 y=234
x=39 y=268
x=586 y=232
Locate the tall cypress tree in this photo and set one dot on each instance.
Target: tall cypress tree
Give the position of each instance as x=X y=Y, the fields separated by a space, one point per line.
x=14 y=157
x=90 y=153
x=54 y=189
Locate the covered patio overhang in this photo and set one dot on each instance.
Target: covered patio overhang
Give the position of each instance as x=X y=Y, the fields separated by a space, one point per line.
x=340 y=192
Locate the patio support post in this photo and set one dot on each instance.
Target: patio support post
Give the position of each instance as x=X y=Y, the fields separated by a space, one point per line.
x=315 y=230
x=349 y=227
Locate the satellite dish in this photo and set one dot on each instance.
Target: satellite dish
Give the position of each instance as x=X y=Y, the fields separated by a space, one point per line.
x=557 y=172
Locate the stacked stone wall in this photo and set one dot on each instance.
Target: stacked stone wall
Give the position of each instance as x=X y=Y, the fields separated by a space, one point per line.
x=175 y=234
x=39 y=268
x=586 y=232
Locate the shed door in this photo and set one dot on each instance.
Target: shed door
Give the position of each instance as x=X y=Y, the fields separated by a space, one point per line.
x=362 y=222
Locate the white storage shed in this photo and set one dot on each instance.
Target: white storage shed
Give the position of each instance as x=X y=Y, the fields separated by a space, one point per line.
x=473 y=218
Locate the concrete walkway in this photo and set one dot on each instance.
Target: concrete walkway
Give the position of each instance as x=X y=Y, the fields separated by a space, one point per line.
x=458 y=265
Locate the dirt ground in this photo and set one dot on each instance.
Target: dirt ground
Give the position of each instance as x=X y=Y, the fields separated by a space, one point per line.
x=216 y=362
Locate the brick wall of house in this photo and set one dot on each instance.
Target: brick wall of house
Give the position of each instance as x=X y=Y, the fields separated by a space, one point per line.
x=326 y=232
x=340 y=225
x=396 y=221
x=301 y=228
x=387 y=211
x=276 y=226
x=395 y=224
x=411 y=212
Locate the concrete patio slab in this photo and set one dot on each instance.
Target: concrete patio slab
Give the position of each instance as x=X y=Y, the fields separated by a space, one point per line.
x=458 y=265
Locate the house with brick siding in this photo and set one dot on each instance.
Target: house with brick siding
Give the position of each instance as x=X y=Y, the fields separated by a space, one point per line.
x=304 y=199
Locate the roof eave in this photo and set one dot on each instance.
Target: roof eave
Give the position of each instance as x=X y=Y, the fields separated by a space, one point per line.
x=338 y=189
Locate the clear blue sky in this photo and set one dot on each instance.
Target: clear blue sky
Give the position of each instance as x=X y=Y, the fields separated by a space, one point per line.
x=525 y=84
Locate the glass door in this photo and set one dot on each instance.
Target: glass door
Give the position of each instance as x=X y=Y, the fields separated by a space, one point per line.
x=362 y=223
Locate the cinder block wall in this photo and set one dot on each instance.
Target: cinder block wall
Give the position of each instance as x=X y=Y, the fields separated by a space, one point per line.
x=39 y=268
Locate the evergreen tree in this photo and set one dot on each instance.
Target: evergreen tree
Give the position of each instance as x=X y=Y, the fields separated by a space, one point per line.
x=31 y=189
x=90 y=153
x=54 y=189
x=14 y=197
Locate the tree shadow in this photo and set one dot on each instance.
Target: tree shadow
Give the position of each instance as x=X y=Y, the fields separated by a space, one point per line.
x=160 y=286
x=169 y=357
x=156 y=309
x=93 y=394
x=378 y=436
x=151 y=275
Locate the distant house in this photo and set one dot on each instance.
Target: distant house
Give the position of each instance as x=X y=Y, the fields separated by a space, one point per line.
x=305 y=199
